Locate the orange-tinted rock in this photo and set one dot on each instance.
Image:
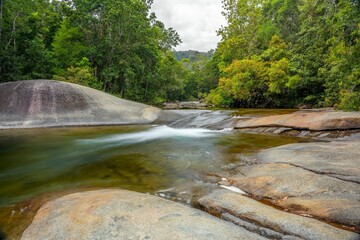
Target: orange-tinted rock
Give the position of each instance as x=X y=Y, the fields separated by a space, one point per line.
x=319 y=179
x=120 y=214
x=311 y=120
x=268 y=221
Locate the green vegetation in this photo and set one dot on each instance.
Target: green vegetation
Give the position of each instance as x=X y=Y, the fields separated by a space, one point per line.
x=113 y=45
x=192 y=55
x=288 y=53
x=273 y=53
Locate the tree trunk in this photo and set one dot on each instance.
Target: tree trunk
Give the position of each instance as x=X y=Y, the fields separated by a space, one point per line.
x=1 y=17
x=13 y=37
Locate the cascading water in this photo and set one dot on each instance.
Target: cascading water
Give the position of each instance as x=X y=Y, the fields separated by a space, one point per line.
x=158 y=132
x=204 y=119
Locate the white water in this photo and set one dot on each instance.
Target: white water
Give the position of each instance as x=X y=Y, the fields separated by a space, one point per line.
x=160 y=132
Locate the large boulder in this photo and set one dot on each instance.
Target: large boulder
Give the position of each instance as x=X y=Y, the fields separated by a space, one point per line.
x=120 y=214
x=309 y=120
x=47 y=103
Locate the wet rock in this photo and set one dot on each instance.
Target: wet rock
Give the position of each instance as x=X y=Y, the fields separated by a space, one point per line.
x=188 y=192
x=204 y=119
x=47 y=103
x=119 y=214
x=281 y=130
x=212 y=178
x=268 y=221
x=309 y=120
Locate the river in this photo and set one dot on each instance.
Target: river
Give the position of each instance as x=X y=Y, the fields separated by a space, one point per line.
x=139 y=158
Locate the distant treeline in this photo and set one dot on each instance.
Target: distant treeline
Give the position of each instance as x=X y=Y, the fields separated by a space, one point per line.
x=192 y=55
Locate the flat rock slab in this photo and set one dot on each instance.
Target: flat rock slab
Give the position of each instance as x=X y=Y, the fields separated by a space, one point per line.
x=313 y=120
x=120 y=214
x=47 y=103
x=268 y=221
x=318 y=179
x=337 y=159
x=303 y=191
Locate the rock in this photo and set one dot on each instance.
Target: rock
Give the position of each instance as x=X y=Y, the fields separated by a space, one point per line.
x=309 y=120
x=171 y=105
x=204 y=119
x=268 y=221
x=318 y=179
x=47 y=103
x=300 y=188
x=185 y=105
x=168 y=116
x=336 y=159
x=120 y=214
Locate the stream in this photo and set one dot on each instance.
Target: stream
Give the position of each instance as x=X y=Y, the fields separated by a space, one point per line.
x=139 y=158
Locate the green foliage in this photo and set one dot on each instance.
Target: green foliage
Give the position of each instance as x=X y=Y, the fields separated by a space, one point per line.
x=68 y=45
x=219 y=98
x=82 y=74
x=192 y=55
x=114 y=45
x=173 y=78
x=284 y=53
x=273 y=53
x=349 y=101
x=26 y=29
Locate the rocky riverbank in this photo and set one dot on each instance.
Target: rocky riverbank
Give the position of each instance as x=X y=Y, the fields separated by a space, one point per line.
x=120 y=214
x=185 y=105
x=322 y=124
x=317 y=180
x=296 y=191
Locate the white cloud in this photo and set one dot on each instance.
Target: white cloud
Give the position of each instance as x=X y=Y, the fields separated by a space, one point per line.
x=195 y=20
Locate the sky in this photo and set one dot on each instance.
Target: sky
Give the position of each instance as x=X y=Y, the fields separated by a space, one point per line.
x=196 y=21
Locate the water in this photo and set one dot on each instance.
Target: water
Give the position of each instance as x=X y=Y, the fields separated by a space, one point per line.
x=141 y=158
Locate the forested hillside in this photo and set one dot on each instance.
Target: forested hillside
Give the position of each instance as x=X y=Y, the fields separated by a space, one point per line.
x=273 y=53
x=114 y=45
x=286 y=53
x=192 y=55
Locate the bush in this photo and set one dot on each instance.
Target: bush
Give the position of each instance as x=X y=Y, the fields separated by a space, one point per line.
x=349 y=101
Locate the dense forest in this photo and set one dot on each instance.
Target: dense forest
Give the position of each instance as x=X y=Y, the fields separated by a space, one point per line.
x=114 y=45
x=288 y=53
x=273 y=53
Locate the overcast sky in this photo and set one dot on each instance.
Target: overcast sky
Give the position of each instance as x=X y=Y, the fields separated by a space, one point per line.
x=195 y=20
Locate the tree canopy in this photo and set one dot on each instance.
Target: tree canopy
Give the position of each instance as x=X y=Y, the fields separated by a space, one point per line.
x=114 y=45
x=286 y=53
x=273 y=53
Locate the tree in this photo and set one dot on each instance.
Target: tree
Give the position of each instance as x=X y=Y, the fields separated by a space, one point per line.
x=312 y=55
